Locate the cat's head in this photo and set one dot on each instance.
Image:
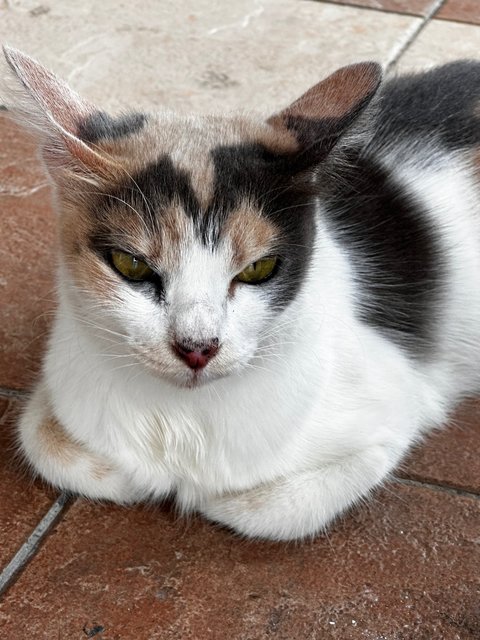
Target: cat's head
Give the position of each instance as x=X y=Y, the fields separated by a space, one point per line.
x=184 y=238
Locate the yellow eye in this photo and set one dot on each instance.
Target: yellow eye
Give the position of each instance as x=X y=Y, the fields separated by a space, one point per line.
x=258 y=271
x=130 y=266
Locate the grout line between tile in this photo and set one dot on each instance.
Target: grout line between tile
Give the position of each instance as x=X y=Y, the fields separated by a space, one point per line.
x=412 y=34
x=5 y=392
x=29 y=548
x=437 y=487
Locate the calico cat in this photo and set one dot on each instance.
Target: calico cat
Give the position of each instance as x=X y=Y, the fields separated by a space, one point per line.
x=257 y=316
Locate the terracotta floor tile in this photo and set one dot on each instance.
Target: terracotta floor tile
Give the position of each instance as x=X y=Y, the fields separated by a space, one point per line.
x=26 y=257
x=23 y=502
x=451 y=456
x=461 y=11
x=410 y=7
x=407 y=567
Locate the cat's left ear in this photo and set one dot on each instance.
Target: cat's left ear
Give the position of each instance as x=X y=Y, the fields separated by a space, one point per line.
x=54 y=114
x=322 y=115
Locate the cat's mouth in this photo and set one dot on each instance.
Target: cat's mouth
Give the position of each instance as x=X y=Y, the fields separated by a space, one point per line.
x=182 y=376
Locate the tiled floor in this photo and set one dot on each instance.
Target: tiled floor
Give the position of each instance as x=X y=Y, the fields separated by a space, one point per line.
x=406 y=567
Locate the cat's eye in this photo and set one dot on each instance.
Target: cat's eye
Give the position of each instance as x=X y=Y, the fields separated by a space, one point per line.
x=258 y=271
x=129 y=266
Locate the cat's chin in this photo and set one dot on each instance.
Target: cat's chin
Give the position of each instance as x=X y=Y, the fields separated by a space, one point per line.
x=187 y=379
x=196 y=379
x=193 y=380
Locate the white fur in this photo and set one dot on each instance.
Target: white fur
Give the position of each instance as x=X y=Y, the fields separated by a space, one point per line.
x=316 y=410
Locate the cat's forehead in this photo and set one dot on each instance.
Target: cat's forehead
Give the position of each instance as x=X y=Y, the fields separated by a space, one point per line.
x=139 y=139
x=171 y=128
x=193 y=145
x=191 y=186
x=212 y=171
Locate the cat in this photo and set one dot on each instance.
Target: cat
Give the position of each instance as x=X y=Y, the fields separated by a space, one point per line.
x=257 y=316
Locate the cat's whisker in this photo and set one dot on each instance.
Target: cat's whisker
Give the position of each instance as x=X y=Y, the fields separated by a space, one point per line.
x=294 y=206
x=269 y=354
x=273 y=345
x=114 y=356
x=273 y=342
x=270 y=359
x=102 y=151
x=129 y=206
x=270 y=351
x=256 y=367
x=275 y=332
x=126 y=366
x=99 y=327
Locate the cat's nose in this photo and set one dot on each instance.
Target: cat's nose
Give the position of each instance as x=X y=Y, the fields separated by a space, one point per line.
x=196 y=354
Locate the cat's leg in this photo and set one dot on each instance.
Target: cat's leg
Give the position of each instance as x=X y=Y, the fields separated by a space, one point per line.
x=65 y=463
x=303 y=504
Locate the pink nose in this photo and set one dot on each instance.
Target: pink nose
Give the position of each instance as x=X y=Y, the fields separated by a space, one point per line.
x=194 y=354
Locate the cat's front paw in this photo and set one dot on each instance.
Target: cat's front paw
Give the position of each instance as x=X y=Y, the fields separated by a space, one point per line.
x=64 y=462
x=302 y=505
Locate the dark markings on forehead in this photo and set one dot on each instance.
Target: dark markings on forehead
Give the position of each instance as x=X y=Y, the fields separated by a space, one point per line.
x=268 y=181
x=242 y=173
x=101 y=126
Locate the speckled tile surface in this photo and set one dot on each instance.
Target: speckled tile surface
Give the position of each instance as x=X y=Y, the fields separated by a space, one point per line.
x=407 y=567
x=202 y=56
x=26 y=257
x=450 y=457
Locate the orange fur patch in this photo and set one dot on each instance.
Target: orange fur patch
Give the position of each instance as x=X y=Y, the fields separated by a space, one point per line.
x=251 y=235
x=58 y=445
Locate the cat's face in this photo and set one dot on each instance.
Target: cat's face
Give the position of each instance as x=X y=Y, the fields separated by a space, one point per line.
x=190 y=254
x=184 y=239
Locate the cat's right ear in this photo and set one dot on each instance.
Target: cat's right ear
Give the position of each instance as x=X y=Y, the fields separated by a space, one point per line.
x=54 y=113
x=319 y=118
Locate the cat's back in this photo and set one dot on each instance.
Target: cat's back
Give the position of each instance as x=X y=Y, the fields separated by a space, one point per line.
x=404 y=205
x=439 y=107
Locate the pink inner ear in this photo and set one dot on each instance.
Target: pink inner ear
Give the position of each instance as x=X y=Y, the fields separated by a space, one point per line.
x=336 y=96
x=63 y=110
x=54 y=96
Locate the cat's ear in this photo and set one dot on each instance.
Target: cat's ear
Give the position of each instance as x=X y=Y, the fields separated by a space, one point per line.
x=54 y=113
x=322 y=115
